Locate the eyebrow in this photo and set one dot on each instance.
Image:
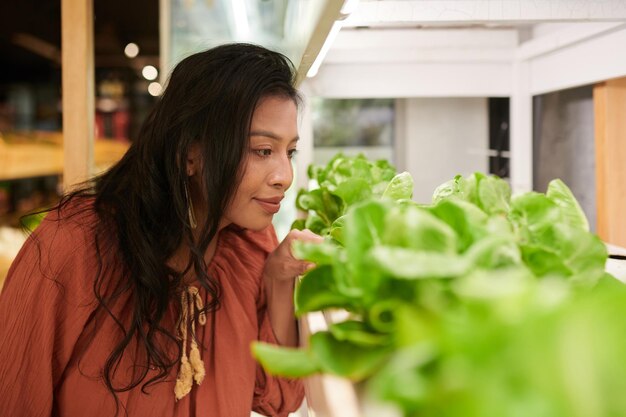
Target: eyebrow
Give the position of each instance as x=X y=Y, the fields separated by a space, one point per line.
x=270 y=135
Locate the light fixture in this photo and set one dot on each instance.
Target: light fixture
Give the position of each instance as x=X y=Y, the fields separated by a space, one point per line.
x=155 y=89
x=242 y=26
x=149 y=72
x=131 y=50
x=348 y=7
x=312 y=72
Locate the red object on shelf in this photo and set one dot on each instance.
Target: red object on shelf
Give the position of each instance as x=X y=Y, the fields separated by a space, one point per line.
x=112 y=124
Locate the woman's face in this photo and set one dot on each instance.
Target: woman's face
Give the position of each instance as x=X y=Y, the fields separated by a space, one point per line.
x=267 y=165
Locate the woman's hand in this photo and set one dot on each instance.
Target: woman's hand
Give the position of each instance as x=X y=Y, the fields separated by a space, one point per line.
x=281 y=265
x=281 y=269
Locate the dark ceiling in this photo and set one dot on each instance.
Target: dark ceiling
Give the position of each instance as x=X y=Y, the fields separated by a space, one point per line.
x=30 y=36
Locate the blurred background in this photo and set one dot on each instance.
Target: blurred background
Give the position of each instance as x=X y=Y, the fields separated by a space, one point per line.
x=126 y=55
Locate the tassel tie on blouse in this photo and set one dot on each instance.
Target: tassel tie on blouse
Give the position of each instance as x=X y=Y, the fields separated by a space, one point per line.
x=192 y=367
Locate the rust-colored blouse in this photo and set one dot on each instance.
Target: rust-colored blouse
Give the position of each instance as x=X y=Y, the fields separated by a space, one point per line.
x=54 y=340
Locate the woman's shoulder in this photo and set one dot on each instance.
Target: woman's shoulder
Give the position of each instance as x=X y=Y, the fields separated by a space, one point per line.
x=67 y=231
x=72 y=222
x=62 y=249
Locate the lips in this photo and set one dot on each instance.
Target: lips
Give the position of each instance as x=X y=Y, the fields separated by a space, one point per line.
x=271 y=205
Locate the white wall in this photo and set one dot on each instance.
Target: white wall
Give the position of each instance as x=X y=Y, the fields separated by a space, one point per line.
x=443 y=137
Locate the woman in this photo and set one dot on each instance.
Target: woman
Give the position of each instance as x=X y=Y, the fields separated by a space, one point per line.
x=141 y=292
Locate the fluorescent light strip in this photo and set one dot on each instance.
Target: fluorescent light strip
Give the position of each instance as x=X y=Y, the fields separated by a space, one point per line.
x=348 y=7
x=322 y=54
x=242 y=27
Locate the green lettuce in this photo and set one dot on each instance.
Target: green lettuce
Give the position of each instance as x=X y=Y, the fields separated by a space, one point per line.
x=478 y=304
x=343 y=182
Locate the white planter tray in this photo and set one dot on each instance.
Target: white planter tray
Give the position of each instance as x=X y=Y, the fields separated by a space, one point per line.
x=616 y=267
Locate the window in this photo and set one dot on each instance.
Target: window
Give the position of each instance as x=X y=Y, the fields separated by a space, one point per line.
x=353 y=126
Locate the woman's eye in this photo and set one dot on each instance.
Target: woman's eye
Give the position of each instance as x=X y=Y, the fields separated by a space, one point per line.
x=264 y=153
x=292 y=153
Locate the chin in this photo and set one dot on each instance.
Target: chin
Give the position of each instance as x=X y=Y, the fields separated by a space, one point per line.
x=255 y=226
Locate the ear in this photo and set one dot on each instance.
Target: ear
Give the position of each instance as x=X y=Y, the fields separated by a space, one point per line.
x=194 y=160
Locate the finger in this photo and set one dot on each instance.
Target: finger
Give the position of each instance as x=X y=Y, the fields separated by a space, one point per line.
x=305 y=240
x=307 y=266
x=307 y=236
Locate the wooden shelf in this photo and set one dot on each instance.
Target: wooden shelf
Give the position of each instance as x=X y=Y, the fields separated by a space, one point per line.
x=41 y=154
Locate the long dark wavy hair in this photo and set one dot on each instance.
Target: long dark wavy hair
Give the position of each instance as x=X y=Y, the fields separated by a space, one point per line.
x=209 y=101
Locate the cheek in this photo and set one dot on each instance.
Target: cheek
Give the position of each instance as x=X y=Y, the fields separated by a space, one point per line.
x=244 y=192
x=243 y=185
x=252 y=178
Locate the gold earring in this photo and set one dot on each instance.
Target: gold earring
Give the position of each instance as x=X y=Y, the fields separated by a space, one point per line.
x=190 y=212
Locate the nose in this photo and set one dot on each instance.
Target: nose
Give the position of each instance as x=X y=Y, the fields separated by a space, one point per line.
x=282 y=174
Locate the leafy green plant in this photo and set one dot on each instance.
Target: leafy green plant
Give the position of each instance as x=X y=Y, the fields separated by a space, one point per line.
x=343 y=182
x=473 y=305
x=31 y=221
